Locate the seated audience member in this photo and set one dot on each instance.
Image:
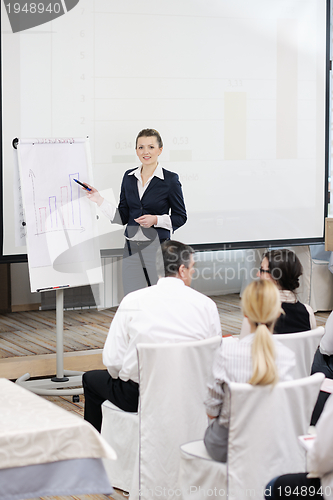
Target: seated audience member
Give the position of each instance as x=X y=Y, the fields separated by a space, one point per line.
x=283 y=268
x=169 y=311
x=323 y=362
x=317 y=483
x=258 y=358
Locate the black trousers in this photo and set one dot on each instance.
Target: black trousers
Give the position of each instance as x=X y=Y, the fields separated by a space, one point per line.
x=98 y=386
x=294 y=487
x=139 y=264
x=216 y=441
x=324 y=364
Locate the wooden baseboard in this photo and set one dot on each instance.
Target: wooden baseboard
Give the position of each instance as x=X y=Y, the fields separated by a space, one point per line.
x=25 y=307
x=44 y=365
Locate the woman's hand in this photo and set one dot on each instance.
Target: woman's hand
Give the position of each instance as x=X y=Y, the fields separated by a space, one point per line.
x=94 y=195
x=147 y=220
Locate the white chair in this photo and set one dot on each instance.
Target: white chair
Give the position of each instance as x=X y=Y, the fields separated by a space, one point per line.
x=122 y=429
x=173 y=380
x=265 y=423
x=316 y=283
x=304 y=345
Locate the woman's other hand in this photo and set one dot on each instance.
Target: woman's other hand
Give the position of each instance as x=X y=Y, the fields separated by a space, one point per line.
x=147 y=220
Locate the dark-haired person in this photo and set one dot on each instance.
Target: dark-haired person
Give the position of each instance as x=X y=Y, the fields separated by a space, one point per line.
x=151 y=206
x=170 y=311
x=283 y=268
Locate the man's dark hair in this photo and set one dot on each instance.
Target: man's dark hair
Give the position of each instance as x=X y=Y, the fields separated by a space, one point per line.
x=150 y=132
x=284 y=267
x=174 y=255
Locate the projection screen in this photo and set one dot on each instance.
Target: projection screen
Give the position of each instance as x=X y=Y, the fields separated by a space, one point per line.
x=238 y=90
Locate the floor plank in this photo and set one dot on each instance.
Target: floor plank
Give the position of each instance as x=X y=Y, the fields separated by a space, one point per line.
x=33 y=332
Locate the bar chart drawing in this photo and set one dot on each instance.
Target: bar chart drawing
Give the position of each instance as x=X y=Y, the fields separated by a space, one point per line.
x=62 y=236
x=76 y=212
x=61 y=210
x=42 y=219
x=53 y=210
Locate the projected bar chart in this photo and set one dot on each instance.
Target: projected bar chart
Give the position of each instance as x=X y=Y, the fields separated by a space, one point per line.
x=238 y=93
x=235 y=125
x=286 y=89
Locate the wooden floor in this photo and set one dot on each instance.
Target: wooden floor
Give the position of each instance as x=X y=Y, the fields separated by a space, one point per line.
x=28 y=333
x=33 y=332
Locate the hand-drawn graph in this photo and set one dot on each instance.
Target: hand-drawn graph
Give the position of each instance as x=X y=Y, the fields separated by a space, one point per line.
x=60 y=220
x=62 y=210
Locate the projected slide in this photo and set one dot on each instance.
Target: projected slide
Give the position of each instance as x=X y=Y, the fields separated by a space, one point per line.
x=237 y=89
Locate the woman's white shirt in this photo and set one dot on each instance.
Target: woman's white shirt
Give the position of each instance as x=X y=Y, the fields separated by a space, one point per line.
x=233 y=363
x=109 y=209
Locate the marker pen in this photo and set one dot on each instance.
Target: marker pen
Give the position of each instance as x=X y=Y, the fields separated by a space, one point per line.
x=83 y=185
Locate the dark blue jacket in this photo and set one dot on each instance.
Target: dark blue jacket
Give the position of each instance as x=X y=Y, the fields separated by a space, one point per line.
x=161 y=196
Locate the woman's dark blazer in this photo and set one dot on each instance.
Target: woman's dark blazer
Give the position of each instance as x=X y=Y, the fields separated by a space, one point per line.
x=161 y=196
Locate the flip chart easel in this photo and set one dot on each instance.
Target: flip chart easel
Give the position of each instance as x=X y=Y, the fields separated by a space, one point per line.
x=61 y=383
x=62 y=237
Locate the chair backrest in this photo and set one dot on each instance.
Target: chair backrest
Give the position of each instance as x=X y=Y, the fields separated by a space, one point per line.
x=304 y=345
x=173 y=382
x=264 y=426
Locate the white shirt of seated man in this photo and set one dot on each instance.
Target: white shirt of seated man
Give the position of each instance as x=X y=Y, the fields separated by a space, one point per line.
x=169 y=311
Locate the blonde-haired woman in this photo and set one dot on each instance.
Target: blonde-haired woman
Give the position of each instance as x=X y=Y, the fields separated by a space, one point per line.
x=257 y=358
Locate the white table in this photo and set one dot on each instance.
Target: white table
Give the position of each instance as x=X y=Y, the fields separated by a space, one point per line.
x=45 y=450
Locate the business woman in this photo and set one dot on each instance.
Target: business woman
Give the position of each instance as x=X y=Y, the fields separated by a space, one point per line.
x=151 y=206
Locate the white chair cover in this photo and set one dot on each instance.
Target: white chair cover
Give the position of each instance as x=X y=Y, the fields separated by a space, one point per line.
x=120 y=428
x=304 y=345
x=265 y=423
x=173 y=380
